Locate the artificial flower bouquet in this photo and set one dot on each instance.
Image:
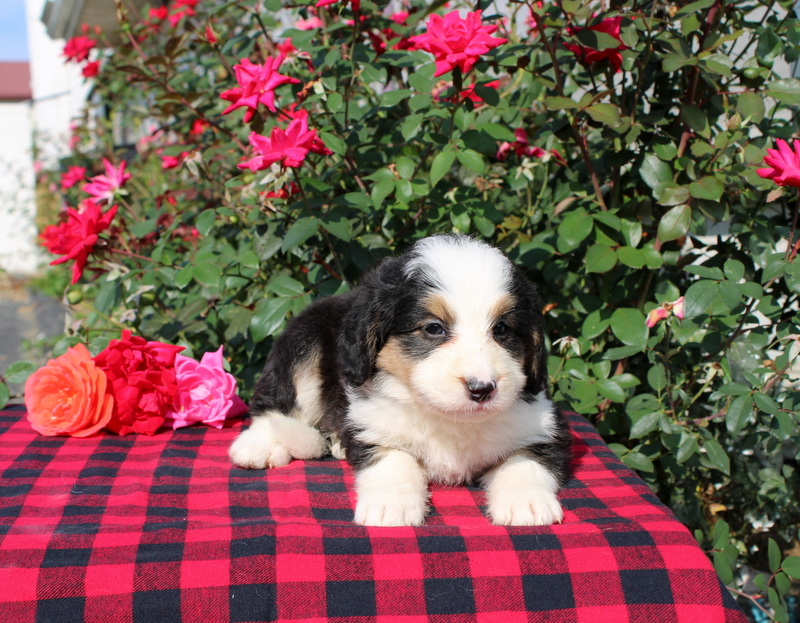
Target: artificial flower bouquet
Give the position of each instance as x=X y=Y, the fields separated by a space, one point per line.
x=131 y=386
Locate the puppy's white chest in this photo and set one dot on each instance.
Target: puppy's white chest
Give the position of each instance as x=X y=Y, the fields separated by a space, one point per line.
x=451 y=452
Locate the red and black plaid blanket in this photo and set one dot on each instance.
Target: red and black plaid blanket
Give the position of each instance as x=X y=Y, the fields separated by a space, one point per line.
x=161 y=529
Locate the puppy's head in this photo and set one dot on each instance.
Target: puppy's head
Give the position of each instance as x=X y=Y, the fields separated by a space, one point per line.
x=453 y=322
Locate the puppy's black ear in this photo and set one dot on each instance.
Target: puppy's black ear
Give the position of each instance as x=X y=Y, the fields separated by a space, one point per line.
x=530 y=304
x=368 y=323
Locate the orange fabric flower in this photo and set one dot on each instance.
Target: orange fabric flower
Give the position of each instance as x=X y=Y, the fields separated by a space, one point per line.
x=68 y=396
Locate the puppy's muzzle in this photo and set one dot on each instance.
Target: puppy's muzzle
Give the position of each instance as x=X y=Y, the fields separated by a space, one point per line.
x=480 y=391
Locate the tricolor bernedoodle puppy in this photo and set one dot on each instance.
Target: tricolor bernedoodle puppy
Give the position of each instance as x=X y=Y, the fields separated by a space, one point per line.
x=432 y=369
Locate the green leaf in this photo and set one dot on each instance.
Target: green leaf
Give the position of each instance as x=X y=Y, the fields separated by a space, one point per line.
x=774 y=553
x=657 y=377
x=638 y=461
x=283 y=285
x=393 y=98
x=766 y=403
x=675 y=223
x=334 y=143
x=411 y=126
x=142 y=228
x=595 y=323
x=596 y=40
x=184 y=276
x=686 y=448
x=751 y=105
x=559 y=103
x=63 y=344
x=694 y=7
x=575 y=228
x=723 y=568
x=19 y=371
x=600 y=258
x=645 y=425
x=472 y=160
x=608 y=388
x=338 y=225
x=791 y=567
x=205 y=222
x=631 y=257
x=334 y=102
x=206 y=274
x=699 y=297
x=300 y=231
x=670 y=194
x=738 y=414
x=786 y=91
x=717 y=455
x=695 y=119
x=673 y=62
x=380 y=191
x=655 y=171
x=268 y=316
x=628 y=324
x=605 y=113
x=734 y=270
x=489 y=95
x=730 y=293
x=497 y=131
x=707 y=188
x=441 y=165
x=5 y=393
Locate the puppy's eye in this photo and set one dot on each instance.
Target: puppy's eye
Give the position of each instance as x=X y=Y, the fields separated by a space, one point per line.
x=433 y=329
x=501 y=329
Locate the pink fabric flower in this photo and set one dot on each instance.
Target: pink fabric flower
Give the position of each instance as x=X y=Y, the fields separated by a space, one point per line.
x=72 y=177
x=77 y=49
x=783 y=164
x=289 y=147
x=75 y=238
x=588 y=56
x=457 y=42
x=663 y=312
x=206 y=393
x=257 y=84
x=105 y=186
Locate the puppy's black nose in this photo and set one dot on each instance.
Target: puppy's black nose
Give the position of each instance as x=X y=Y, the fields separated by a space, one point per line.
x=480 y=391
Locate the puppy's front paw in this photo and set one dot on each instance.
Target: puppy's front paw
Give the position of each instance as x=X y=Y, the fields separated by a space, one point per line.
x=529 y=507
x=521 y=492
x=256 y=448
x=391 y=509
x=392 y=492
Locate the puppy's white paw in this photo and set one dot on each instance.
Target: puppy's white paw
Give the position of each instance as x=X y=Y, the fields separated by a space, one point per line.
x=530 y=507
x=393 y=491
x=521 y=492
x=391 y=509
x=257 y=447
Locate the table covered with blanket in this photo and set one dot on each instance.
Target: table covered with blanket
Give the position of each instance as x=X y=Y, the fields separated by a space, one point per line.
x=164 y=529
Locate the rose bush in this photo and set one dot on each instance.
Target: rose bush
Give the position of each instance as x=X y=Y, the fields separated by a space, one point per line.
x=612 y=150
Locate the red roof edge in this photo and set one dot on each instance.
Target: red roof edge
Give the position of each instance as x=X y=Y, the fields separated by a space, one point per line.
x=15 y=82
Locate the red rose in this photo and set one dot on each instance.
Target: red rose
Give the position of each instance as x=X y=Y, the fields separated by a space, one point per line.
x=588 y=56
x=75 y=238
x=141 y=378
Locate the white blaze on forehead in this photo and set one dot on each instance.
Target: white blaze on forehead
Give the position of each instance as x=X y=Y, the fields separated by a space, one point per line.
x=472 y=275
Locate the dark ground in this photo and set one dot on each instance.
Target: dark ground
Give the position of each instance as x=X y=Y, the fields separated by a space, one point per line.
x=28 y=322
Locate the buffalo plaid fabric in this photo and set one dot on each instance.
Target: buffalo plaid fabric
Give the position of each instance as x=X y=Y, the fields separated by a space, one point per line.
x=164 y=529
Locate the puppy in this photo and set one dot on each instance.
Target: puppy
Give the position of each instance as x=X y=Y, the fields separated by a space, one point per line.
x=432 y=369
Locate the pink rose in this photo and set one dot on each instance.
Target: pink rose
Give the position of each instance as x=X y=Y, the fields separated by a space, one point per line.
x=206 y=393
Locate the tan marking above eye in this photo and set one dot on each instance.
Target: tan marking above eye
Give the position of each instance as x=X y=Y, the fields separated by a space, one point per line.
x=439 y=309
x=501 y=307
